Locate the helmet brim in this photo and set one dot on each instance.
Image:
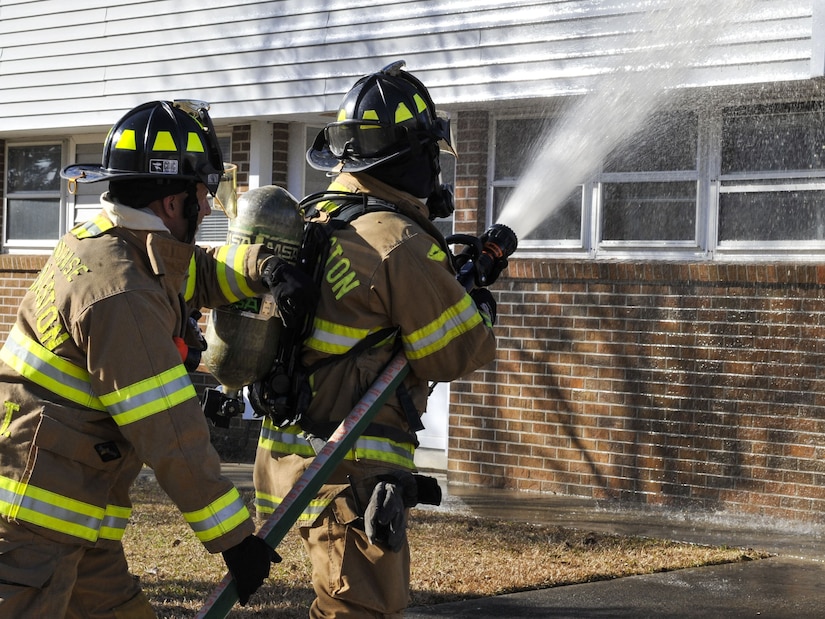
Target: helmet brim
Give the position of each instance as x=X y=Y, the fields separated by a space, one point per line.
x=85 y=173
x=92 y=173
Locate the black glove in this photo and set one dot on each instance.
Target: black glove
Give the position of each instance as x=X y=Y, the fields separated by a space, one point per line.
x=295 y=293
x=485 y=303
x=249 y=563
x=385 y=519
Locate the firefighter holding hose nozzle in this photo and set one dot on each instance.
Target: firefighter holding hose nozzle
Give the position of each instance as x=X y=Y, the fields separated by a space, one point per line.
x=388 y=283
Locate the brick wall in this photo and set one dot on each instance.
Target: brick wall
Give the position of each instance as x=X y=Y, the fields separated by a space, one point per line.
x=471 y=172
x=687 y=385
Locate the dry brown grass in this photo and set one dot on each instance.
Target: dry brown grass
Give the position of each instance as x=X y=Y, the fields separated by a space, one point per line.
x=454 y=557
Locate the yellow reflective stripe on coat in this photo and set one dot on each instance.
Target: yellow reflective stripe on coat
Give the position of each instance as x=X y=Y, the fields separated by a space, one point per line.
x=379 y=449
x=219 y=517
x=266 y=504
x=47 y=509
x=93 y=227
x=456 y=320
x=191 y=278
x=149 y=396
x=42 y=367
x=336 y=339
x=231 y=260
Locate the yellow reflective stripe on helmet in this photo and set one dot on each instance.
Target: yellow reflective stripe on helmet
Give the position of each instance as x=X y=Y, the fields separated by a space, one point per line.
x=231 y=279
x=126 y=141
x=402 y=113
x=93 y=227
x=149 y=396
x=458 y=319
x=39 y=365
x=194 y=144
x=289 y=441
x=47 y=509
x=219 y=517
x=419 y=101
x=164 y=142
x=191 y=278
x=266 y=504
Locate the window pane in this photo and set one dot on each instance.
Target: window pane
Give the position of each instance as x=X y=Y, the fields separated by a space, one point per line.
x=649 y=211
x=772 y=216
x=667 y=143
x=34 y=168
x=515 y=140
x=564 y=223
x=774 y=139
x=33 y=219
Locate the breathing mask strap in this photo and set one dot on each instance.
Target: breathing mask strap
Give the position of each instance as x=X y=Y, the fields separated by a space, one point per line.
x=191 y=208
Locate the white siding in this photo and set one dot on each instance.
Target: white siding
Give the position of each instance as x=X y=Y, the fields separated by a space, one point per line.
x=82 y=64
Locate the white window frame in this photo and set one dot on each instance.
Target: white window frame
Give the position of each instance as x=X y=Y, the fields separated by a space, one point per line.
x=711 y=184
x=34 y=246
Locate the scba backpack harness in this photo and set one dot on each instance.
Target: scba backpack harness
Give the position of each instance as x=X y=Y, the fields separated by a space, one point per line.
x=285 y=394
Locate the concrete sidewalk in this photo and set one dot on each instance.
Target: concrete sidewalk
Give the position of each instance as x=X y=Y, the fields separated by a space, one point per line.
x=790 y=585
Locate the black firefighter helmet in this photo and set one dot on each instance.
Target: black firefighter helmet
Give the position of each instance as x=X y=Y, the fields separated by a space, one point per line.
x=159 y=140
x=387 y=126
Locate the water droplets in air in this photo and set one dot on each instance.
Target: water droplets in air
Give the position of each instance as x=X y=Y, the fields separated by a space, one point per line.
x=669 y=40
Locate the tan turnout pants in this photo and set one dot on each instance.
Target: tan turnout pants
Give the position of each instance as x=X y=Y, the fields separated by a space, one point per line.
x=40 y=578
x=351 y=577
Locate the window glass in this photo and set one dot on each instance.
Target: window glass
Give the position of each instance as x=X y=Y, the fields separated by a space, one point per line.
x=776 y=138
x=565 y=222
x=772 y=216
x=656 y=211
x=34 y=168
x=773 y=174
x=33 y=192
x=668 y=142
x=33 y=219
x=515 y=142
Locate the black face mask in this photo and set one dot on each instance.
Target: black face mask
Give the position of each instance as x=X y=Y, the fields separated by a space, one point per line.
x=191 y=208
x=440 y=203
x=415 y=172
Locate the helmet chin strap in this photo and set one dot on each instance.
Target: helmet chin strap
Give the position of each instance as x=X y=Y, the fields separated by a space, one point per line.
x=191 y=208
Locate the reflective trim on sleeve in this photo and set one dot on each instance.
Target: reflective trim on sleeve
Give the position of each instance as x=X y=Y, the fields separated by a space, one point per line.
x=456 y=320
x=191 y=278
x=150 y=396
x=219 y=517
x=47 y=509
x=42 y=367
x=231 y=278
x=114 y=522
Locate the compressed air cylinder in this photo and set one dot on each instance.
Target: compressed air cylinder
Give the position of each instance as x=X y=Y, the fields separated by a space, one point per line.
x=242 y=338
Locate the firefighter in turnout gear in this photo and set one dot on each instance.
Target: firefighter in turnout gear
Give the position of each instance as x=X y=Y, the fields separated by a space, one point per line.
x=388 y=284
x=94 y=384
